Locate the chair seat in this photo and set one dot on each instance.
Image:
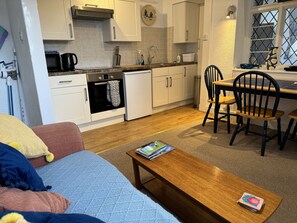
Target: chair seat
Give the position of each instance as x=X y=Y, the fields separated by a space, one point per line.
x=224 y=100
x=267 y=117
x=293 y=114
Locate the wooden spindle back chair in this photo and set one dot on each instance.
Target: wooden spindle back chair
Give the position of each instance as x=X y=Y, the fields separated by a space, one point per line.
x=212 y=73
x=255 y=92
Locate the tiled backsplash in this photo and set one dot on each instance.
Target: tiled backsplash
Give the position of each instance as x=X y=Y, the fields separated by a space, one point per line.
x=93 y=52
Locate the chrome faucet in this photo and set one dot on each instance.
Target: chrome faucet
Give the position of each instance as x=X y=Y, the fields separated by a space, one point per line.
x=151 y=53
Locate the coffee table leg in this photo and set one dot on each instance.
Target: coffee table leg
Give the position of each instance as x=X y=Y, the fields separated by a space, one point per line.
x=136 y=175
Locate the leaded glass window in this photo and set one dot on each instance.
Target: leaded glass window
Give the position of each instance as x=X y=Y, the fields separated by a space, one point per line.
x=289 y=43
x=263 y=2
x=263 y=35
x=274 y=25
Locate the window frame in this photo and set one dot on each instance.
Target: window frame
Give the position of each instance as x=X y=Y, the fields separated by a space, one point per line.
x=281 y=7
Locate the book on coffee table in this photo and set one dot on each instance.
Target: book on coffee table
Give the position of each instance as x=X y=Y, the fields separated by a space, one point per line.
x=251 y=202
x=154 y=149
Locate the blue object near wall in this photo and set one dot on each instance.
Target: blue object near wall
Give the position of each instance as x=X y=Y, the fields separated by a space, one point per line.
x=3 y=35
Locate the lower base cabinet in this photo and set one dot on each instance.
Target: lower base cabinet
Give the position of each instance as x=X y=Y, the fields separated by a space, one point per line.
x=173 y=84
x=167 y=85
x=70 y=98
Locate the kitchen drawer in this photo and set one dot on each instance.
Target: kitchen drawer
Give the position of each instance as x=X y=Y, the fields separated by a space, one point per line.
x=68 y=80
x=158 y=72
x=175 y=70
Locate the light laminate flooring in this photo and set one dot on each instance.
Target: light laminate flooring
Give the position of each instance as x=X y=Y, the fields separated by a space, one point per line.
x=109 y=137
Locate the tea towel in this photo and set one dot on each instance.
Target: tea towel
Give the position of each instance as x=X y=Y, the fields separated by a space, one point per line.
x=113 y=93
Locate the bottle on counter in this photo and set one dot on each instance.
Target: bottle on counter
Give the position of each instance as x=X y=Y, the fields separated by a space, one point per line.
x=139 y=60
x=178 y=59
x=142 y=59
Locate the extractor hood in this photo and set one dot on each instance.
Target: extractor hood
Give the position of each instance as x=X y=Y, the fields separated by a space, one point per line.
x=91 y=13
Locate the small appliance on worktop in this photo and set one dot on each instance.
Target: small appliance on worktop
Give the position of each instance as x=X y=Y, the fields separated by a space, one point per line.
x=53 y=61
x=57 y=63
x=69 y=60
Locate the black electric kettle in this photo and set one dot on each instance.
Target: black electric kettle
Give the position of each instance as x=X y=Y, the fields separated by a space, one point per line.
x=69 y=60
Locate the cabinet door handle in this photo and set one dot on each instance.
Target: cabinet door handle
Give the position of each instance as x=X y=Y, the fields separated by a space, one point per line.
x=70 y=30
x=91 y=5
x=86 y=94
x=187 y=35
x=100 y=83
x=167 y=82
x=185 y=72
x=170 y=81
x=114 y=33
x=65 y=82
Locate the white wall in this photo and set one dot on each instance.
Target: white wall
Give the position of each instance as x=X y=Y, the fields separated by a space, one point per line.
x=218 y=41
x=26 y=32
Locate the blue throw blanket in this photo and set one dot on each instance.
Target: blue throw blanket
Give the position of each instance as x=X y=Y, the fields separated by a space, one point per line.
x=96 y=188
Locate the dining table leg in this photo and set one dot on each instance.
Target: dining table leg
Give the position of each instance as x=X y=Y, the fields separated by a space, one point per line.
x=217 y=108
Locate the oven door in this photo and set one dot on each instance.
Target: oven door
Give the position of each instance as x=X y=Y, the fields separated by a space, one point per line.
x=98 y=96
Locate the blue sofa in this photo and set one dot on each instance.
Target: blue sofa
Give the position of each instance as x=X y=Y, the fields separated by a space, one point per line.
x=92 y=185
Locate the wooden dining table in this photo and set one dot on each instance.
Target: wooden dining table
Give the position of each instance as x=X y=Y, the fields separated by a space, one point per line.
x=288 y=89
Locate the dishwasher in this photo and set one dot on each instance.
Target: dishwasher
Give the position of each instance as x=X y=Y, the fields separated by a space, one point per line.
x=138 y=94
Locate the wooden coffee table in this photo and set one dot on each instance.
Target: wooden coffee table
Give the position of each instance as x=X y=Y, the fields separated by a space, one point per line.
x=196 y=190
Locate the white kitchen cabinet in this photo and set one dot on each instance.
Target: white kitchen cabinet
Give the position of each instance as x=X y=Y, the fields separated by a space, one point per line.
x=167 y=85
x=185 y=22
x=176 y=86
x=70 y=98
x=125 y=26
x=160 y=86
x=93 y=3
x=55 y=19
x=190 y=71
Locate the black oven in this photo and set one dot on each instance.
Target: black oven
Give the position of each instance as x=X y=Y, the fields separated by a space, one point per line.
x=98 y=91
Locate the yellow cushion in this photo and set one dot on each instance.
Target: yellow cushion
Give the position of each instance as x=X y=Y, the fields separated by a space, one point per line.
x=15 y=133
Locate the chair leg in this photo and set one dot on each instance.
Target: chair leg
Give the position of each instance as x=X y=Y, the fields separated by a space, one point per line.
x=287 y=134
x=239 y=120
x=264 y=136
x=247 y=126
x=294 y=132
x=207 y=113
x=228 y=118
x=279 y=132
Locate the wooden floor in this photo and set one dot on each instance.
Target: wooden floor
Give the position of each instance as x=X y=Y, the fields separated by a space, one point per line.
x=109 y=137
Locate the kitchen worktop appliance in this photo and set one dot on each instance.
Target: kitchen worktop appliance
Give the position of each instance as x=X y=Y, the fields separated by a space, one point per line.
x=69 y=60
x=53 y=61
x=99 y=87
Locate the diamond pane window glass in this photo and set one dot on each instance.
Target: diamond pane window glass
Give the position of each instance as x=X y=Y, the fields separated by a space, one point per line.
x=263 y=35
x=289 y=43
x=263 y=2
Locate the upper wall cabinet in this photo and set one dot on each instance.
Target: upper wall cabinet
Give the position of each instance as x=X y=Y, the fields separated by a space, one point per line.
x=93 y=3
x=185 y=22
x=125 y=26
x=55 y=19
